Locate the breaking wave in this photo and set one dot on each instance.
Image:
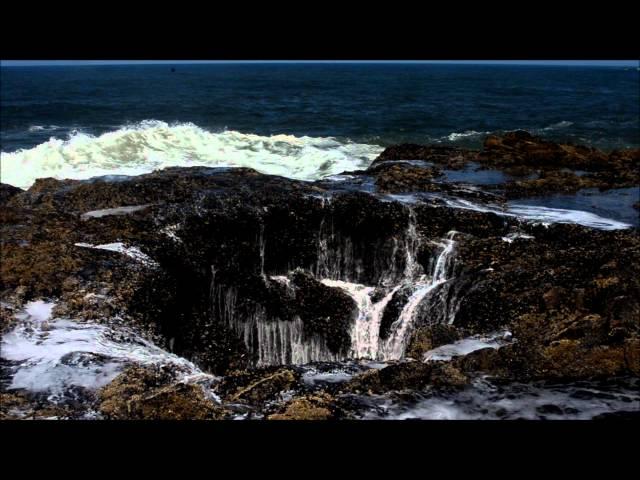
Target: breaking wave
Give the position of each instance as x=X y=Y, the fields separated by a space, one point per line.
x=558 y=125
x=152 y=145
x=43 y=128
x=455 y=136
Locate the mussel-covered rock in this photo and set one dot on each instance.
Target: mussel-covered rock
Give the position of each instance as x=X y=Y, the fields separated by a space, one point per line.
x=319 y=406
x=408 y=376
x=151 y=394
x=256 y=386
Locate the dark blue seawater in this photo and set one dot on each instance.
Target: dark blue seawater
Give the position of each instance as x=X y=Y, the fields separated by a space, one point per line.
x=366 y=103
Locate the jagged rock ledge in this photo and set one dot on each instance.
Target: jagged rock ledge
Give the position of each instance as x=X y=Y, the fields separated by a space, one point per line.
x=555 y=168
x=213 y=257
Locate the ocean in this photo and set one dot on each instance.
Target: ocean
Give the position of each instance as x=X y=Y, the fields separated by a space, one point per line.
x=332 y=280
x=303 y=121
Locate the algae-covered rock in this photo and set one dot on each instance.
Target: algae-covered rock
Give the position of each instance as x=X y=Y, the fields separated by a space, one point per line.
x=428 y=337
x=570 y=359
x=309 y=407
x=217 y=239
x=150 y=394
x=408 y=376
x=256 y=386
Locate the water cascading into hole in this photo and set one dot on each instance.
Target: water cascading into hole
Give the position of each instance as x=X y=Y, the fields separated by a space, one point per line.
x=275 y=341
x=323 y=252
x=261 y=246
x=394 y=346
x=270 y=341
x=430 y=289
x=365 y=330
x=279 y=342
x=412 y=267
x=335 y=255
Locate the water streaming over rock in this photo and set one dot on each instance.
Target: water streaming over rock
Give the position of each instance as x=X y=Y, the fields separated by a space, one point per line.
x=262 y=246
x=365 y=330
x=279 y=342
x=394 y=346
x=336 y=259
x=60 y=357
x=270 y=341
x=273 y=341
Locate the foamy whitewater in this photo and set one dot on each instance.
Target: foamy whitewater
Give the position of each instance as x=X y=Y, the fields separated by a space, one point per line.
x=54 y=355
x=467 y=345
x=540 y=214
x=536 y=401
x=153 y=145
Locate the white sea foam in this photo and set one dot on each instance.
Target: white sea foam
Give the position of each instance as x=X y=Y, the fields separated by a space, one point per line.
x=113 y=211
x=41 y=128
x=467 y=345
x=562 y=215
x=282 y=279
x=556 y=126
x=39 y=310
x=312 y=376
x=452 y=137
x=514 y=236
x=133 y=252
x=484 y=400
x=153 y=145
x=56 y=354
x=541 y=214
x=171 y=232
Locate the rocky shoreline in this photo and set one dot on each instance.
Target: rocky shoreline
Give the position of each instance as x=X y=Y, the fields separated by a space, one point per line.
x=253 y=278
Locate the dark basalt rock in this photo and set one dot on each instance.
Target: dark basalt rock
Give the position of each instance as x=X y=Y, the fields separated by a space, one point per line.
x=150 y=394
x=408 y=375
x=552 y=181
x=521 y=148
x=256 y=386
x=324 y=311
x=23 y=406
x=428 y=337
x=448 y=157
x=319 y=406
x=570 y=295
x=396 y=178
x=486 y=360
x=393 y=310
x=7 y=192
x=525 y=273
x=522 y=153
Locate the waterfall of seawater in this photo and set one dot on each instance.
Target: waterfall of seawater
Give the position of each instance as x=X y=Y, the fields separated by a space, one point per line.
x=270 y=341
x=273 y=341
x=279 y=342
x=394 y=346
x=365 y=330
x=261 y=245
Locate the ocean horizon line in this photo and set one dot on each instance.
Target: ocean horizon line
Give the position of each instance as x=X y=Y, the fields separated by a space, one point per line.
x=541 y=63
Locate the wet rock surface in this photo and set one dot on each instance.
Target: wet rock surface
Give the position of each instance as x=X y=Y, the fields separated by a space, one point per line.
x=408 y=376
x=222 y=262
x=256 y=387
x=310 y=407
x=150 y=394
x=556 y=166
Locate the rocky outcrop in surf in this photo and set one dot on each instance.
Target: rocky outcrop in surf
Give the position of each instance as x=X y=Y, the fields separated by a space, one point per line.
x=557 y=168
x=229 y=281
